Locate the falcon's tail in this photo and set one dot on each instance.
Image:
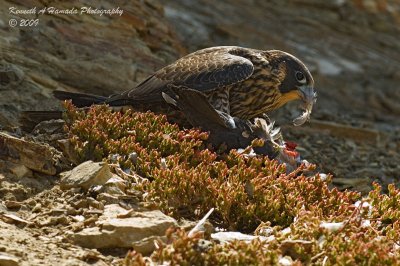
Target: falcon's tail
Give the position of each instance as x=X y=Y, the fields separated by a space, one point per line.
x=29 y=119
x=80 y=99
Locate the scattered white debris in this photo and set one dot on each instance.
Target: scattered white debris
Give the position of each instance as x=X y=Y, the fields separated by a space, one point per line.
x=200 y=225
x=268 y=231
x=286 y=231
x=321 y=241
x=332 y=227
x=364 y=205
x=286 y=261
x=163 y=164
x=323 y=176
x=225 y=237
x=250 y=154
x=365 y=223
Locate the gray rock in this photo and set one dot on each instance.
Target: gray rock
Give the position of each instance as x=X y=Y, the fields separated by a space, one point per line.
x=85 y=175
x=112 y=232
x=37 y=157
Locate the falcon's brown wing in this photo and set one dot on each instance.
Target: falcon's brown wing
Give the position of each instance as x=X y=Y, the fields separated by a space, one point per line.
x=197 y=109
x=204 y=70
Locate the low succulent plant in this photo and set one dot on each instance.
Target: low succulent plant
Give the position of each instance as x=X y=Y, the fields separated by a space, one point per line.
x=309 y=221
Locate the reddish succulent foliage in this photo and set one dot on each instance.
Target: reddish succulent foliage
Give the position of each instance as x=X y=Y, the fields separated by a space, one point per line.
x=187 y=179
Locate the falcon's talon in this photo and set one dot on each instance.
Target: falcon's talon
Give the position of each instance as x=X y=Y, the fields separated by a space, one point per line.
x=245 y=134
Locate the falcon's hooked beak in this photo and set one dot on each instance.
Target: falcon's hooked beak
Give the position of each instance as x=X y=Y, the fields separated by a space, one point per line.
x=308 y=95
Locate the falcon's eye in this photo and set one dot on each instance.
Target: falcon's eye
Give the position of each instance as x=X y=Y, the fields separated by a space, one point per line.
x=300 y=77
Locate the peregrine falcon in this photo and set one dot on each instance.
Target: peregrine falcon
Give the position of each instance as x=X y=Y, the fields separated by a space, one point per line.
x=242 y=82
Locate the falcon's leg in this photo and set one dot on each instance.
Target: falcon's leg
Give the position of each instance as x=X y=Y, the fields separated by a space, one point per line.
x=220 y=100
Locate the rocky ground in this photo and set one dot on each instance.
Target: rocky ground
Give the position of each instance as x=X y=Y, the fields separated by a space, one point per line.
x=351 y=47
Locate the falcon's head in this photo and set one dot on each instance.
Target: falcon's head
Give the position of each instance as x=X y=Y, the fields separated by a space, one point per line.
x=296 y=79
